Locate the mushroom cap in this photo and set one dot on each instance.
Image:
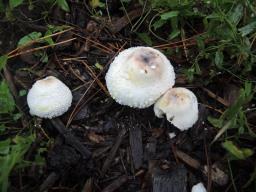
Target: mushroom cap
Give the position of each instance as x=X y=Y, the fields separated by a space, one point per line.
x=199 y=187
x=180 y=107
x=49 y=97
x=138 y=76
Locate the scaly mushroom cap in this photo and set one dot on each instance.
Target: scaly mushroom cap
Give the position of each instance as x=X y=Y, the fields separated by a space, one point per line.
x=49 y=98
x=180 y=107
x=138 y=76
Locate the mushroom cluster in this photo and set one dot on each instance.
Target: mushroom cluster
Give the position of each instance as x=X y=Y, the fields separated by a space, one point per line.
x=141 y=76
x=138 y=77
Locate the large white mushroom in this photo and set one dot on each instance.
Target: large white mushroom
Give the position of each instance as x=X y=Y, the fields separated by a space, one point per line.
x=180 y=107
x=138 y=76
x=49 y=98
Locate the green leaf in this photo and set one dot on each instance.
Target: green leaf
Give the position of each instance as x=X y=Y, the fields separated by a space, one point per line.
x=235 y=152
x=200 y=43
x=49 y=39
x=245 y=96
x=5 y=146
x=3 y=61
x=190 y=74
x=2 y=129
x=168 y=15
x=34 y=36
x=146 y=38
x=159 y=23
x=13 y=156
x=219 y=59
x=247 y=89
x=215 y=122
x=99 y=66
x=96 y=3
x=213 y=16
x=237 y=14
x=247 y=29
x=15 y=3
x=22 y=92
x=241 y=120
x=42 y=55
x=2 y=7
x=197 y=69
x=57 y=28
x=53 y=29
x=28 y=38
x=31 y=6
x=63 y=5
x=17 y=116
x=174 y=34
x=6 y=100
x=40 y=159
x=9 y=15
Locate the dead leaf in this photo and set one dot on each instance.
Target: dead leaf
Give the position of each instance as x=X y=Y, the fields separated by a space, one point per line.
x=95 y=137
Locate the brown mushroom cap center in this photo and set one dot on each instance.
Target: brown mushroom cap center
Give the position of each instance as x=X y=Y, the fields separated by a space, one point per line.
x=144 y=66
x=49 y=81
x=174 y=98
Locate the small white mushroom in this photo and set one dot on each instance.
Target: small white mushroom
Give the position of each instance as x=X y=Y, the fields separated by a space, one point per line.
x=180 y=107
x=172 y=135
x=49 y=97
x=199 y=187
x=138 y=76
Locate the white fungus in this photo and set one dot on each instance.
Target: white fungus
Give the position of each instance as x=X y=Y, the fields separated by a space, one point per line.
x=49 y=97
x=172 y=135
x=180 y=107
x=198 y=188
x=138 y=76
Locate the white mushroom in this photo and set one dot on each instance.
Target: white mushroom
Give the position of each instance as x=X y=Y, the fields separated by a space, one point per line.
x=138 y=76
x=180 y=107
x=49 y=98
x=172 y=135
x=199 y=187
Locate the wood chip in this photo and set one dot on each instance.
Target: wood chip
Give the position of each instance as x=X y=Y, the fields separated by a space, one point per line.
x=119 y=24
x=116 y=184
x=136 y=145
x=95 y=137
x=113 y=150
x=170 y=181
x=187 y=159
